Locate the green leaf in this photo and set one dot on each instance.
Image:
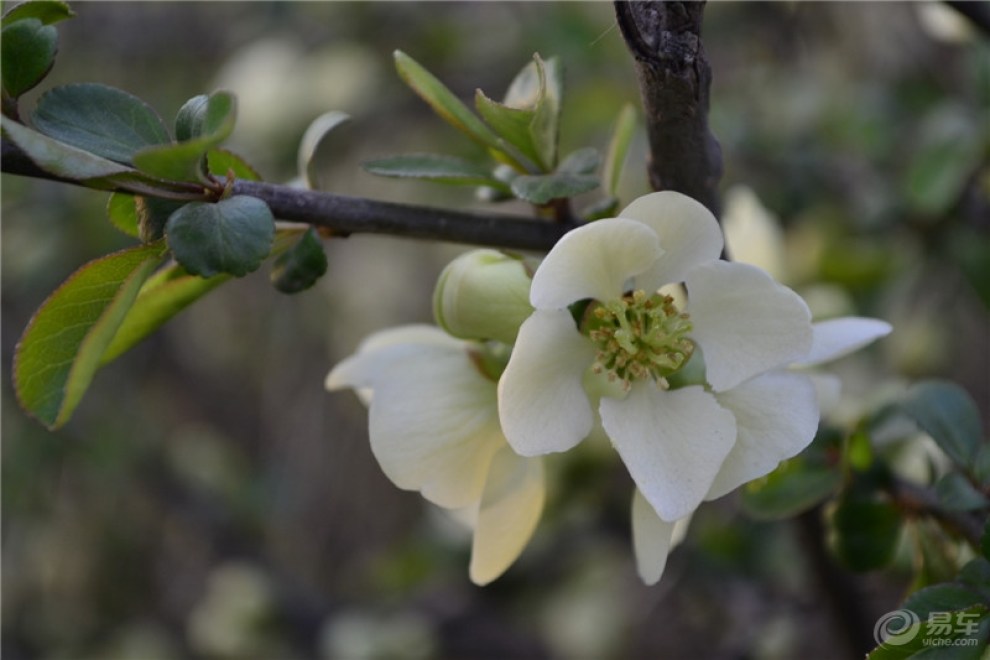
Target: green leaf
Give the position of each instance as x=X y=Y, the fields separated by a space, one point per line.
x=298 y=268
x=99 y=119
x=210 y=123
x=546 y=124
x=947 y=413
x=957 y=494
x=512 y=125
x=946 y=638
x=582 y=161
x=795 y=487
x=122 y=212
x=976 y=575
x=435 y=167
x=221 y=162
x=541 y=189
x=985 y=541
x=59 y=158
x=445 y=104
x=618 y=147
x=164 y=295
x=231 y=236
x=46 y=11
x=949 y=148
x=59 y=352
x=27 y=52
x=606 y=207
x=188 y=120
x=310 y=143
x=865 y=529
x=152 y=214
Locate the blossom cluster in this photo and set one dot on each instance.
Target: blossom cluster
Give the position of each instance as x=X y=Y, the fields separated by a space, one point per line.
x=694 y=368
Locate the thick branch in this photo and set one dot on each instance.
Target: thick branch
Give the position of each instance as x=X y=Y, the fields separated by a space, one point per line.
x=674 y=78
x=344 y=215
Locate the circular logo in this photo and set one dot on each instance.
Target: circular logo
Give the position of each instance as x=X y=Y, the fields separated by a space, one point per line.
x=896 y=628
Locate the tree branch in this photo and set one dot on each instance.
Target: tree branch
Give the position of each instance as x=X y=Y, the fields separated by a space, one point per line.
x=674 y=78
x=344 y=215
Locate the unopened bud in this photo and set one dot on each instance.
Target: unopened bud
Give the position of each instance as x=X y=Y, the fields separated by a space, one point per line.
x=483 y=294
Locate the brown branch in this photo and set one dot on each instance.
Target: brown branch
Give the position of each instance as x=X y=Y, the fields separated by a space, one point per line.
x=674 y=78
x=343 y=215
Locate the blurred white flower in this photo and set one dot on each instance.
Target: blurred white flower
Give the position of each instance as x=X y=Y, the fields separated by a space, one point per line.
x=434 y=428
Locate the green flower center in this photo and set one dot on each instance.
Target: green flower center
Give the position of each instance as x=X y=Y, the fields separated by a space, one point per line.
x=639 y=336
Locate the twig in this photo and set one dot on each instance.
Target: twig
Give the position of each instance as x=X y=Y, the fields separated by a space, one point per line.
x=917 y=500
x=674 y=78
x=343 y=215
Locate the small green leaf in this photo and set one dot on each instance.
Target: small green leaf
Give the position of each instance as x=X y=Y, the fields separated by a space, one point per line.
x=221 y=162
x=582 y=161
x=59 y=352
x=59 y=158
x=445 y=104
x=231 y=236
x=310 y=143
x=512 y=125
x=298 y=268
x=606 y=207
x=976 y=575
x=27 y=52
x=794 y=487
x=955 y=493
x=210 y=123
x=122 y=212
x=618 y=147
x=865 y=531
x=164 y=295
x=435 y=167
x=546 y=124
x=99 y=119
x=188 y=120
x=46 y=11
x=947 y=413
x=543 y=188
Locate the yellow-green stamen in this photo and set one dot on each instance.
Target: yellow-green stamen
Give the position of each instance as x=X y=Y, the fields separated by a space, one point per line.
x=640 y=336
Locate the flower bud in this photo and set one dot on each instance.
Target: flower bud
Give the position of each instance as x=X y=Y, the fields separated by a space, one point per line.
x=483 y=294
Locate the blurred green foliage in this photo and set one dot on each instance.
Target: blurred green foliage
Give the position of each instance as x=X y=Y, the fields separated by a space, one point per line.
x=211 y=500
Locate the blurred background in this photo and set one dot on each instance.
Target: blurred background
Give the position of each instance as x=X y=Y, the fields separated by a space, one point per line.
x=211 y=500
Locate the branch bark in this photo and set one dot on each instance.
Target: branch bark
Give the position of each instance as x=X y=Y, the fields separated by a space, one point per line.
x=344 y=215
x=675 y=78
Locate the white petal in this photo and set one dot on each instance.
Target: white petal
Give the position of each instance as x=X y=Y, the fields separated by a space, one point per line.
x=510 y=509
x=671 y=442
x=541 y=402
x=361 y=368
x=752 y=235
x=776 y=417
x=593 y=261
x=835 y=338
x=433 y=421
x=653 y=539
x=745 y=322
x=689 y=235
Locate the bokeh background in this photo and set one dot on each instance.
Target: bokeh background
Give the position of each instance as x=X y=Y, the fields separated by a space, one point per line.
x=211 y=500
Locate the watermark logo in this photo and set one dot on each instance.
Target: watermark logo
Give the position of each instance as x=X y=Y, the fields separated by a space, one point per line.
x=896 y=628
x=901 y=627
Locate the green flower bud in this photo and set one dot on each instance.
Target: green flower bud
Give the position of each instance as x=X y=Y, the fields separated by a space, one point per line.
x=483 y=294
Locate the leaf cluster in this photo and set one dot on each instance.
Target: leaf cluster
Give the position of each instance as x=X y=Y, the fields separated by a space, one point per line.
x=521 y=134
x=171 y=191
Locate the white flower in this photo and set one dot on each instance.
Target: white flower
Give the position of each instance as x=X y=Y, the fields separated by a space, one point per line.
x=434 y=428
x=677 y=443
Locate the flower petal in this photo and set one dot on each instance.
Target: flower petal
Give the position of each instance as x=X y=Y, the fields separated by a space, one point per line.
x=433 y=419
x=835 y=338
x=653 y=538
x=541 y=402
x=752 y=234
x=776 y=417
x=510 y=510
x=593 y=261
x=672 y=443
x=360 y=369
x=745 y=322
x=689 y=235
